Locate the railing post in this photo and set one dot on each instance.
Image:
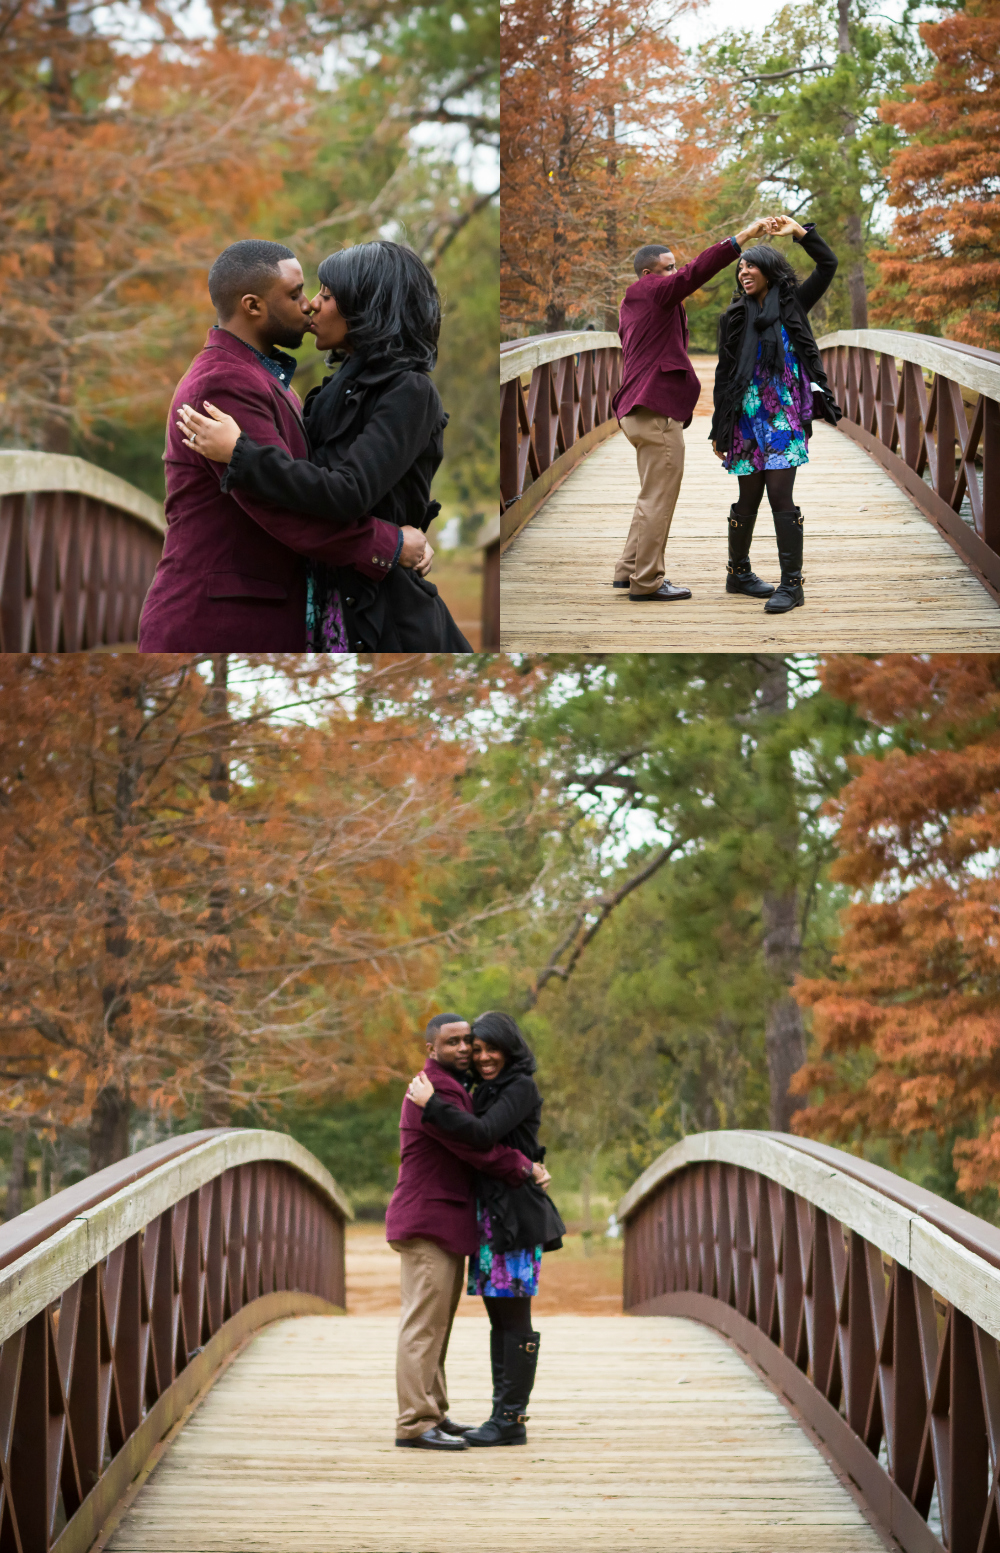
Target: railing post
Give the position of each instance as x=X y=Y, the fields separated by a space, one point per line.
x=991 y=473
x=508 y=441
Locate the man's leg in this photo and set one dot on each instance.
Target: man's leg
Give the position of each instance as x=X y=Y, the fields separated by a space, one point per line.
x=659 y=446
x=427 y=1280
x=439 y=1388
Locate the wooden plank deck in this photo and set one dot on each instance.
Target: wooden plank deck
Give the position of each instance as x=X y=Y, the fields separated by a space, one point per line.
x=645 y=1434
x=878 y=575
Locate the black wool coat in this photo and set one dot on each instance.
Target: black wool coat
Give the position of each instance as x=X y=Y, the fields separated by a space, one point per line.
x=508 y=1109
x=376 y=452
x=795 y=303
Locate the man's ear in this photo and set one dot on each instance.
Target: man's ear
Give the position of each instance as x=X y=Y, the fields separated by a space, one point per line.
x=251 y=305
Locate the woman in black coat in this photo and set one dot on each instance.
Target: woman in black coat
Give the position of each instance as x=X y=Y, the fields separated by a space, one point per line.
x=769 y=386
x=376 y=436
x=515 y=1227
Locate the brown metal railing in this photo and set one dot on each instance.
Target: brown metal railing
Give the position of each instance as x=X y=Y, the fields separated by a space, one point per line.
x=948 y=427
x=872 y=1305
x=564 y=410
x=121 y=1297
x=78 y=549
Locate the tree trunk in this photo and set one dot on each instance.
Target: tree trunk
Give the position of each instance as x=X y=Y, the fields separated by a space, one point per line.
x=784 y=1031
x=108 y=1136
x=854 y=231
x=15 y=1177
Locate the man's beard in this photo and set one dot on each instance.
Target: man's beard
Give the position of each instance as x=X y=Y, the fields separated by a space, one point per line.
x=289 y=338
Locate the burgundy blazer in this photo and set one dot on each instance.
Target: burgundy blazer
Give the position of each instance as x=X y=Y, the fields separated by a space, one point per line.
x=656 y=370
x=435 y=1195
x=233 y=574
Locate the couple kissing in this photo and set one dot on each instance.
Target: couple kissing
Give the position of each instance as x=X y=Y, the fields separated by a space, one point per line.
x=302 y=527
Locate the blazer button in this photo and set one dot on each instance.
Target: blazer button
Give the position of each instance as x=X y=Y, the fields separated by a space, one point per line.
x=349 y=601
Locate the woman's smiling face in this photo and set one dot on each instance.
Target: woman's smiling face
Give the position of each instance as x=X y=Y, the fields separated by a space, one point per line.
x=487 y=1060
x=753 y=280
x=329 y=324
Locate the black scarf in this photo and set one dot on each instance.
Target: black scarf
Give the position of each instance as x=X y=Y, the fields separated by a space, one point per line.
x=763 y=325
x=335 y=388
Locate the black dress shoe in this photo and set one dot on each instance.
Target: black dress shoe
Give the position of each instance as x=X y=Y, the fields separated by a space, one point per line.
x=449 y=1426
x=435 y=1440
x=663 y=595
x=625 y=584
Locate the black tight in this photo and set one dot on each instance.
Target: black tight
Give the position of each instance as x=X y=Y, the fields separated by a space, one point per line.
x=508 y=1313
x=778 y=483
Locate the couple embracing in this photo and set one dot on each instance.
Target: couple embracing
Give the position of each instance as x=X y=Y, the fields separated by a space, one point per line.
x=471 y=1184
x=302 y=527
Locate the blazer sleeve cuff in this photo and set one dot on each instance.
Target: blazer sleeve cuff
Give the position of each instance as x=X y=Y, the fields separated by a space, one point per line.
x=387 y=541
x=231 y=471
x=809 y=226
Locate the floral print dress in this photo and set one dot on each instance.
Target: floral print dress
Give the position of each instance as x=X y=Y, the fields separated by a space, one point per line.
x=770 y=431
x=513 y=1273
x=325 y=628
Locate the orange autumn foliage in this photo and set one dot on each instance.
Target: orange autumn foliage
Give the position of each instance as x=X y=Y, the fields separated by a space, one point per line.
x=125 y=171
x=907 y=1034
x=944 y=267
x=602 y=149
x=212 y=902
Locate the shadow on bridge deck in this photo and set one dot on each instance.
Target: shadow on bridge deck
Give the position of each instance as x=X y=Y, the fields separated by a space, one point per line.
x=878 y=575
x=645 y=1434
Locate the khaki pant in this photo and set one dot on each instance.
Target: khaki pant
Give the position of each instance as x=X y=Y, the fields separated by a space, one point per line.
x=430 y=1286
x=659 y=451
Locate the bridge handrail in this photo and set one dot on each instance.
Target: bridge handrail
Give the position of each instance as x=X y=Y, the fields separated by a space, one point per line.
x=965 y=364
x=912 y=427
x=872 y=1304
x=121 y=1297
x=22 y=469
x=78 y=551
x=564 y=411
x=520 y=356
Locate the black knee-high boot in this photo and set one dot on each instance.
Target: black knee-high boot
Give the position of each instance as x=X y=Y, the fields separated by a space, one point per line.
x=520 y=1362
x=496 y=1365
x=739 y=577
x=788 y=532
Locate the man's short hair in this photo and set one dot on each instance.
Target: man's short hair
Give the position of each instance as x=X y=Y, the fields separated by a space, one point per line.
x=248 y=266
x=434 y=1025
x=645 y=256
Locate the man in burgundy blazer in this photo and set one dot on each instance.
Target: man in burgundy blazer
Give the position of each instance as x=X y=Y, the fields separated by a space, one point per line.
x=431 y=1222
x=233 y=571
x=656 y=401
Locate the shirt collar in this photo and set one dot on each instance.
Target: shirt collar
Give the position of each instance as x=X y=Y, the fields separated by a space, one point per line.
x=280 y=365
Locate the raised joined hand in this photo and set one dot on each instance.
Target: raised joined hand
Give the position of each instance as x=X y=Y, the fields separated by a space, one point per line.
x=215 y=434
x=786 y=226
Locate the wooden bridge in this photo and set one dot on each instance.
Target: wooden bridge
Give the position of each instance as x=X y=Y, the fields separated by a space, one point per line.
x=820 y=1367
x=901 y=505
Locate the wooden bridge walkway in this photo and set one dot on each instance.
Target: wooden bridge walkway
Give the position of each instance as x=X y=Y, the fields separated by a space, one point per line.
x=645 y=1434
x=879 y=576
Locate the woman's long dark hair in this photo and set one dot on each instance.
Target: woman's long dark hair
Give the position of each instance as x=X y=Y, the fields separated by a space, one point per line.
x=389 y=299
x=772 y=264
x=502 y=1033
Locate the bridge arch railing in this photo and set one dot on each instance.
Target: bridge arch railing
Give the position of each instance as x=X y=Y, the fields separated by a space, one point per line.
x=872 y=1305
x=78 y=549
x=121 y=1297
x=550 y=423
x=948 y=428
